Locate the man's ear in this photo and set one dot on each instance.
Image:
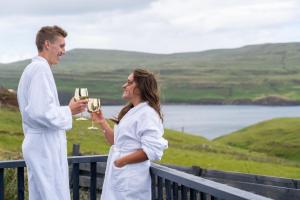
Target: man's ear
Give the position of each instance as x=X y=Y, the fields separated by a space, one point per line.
x=46 y=44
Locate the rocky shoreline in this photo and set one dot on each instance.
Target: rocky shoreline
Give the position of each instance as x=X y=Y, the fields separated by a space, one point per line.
x=8 y=98
x=272 y=100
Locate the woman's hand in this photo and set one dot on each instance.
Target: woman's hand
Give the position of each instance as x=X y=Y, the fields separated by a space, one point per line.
x=98 y=117
x=119 y=163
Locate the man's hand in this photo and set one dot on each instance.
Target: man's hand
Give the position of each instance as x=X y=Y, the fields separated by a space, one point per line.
x=77 y=106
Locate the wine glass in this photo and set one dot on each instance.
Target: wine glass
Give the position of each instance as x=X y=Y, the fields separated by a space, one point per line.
x=81 y=93
x=93 y=106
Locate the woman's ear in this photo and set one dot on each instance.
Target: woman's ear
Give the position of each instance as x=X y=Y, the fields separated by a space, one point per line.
x=136 y=91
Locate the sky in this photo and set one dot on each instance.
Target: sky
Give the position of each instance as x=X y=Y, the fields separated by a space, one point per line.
x=154 y=26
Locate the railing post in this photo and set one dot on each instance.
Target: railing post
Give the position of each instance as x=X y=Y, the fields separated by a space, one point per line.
x=168 y=189
x=76 y=181
x=160 y=188
x=193 y=194
x=1 y=184
x=20 y=183
x=76 y=150
x=153 y=187
x=213 y=198
x=93 y=181
x=202 y=196
x=183 y=192
x=175 y=191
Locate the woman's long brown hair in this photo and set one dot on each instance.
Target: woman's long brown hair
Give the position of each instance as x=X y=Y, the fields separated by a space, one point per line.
x=149 y=91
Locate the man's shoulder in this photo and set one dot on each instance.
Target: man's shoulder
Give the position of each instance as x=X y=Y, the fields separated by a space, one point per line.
x=36 y=67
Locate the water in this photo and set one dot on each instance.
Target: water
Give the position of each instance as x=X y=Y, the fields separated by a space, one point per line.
x=212 y=121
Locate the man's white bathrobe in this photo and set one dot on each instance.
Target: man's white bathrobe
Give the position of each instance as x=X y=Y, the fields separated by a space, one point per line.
x=140 y=128
x=44 y=123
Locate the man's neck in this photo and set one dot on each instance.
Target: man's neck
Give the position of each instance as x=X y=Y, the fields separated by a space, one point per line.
x=45 y=55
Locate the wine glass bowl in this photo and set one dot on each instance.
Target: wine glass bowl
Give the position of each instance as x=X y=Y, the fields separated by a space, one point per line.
x=94 y=105
x=80 y=94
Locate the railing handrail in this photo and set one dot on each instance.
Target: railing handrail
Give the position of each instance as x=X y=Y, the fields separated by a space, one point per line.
x=200 y=184
x=71 y=160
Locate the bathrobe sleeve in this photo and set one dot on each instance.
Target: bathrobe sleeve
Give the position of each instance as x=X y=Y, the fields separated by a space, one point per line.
x=151 y=131
x=42 y=106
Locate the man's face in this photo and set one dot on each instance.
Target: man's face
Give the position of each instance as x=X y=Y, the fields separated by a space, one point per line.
x=56 y=50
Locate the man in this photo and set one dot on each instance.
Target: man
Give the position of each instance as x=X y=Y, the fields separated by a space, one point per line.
x=45 y=121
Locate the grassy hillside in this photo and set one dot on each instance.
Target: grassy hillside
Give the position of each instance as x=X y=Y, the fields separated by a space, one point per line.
x=183 y=149
x=277 y=137
x=240 y=76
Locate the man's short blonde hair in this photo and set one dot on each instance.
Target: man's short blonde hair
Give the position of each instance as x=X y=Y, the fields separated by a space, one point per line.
x=48 y=33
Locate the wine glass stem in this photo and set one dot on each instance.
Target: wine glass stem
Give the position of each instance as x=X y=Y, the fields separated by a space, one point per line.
x=93 y=123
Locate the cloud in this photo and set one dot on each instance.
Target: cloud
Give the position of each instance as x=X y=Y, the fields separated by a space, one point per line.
x=68 y=7
x=160 y=26
x=207 y=15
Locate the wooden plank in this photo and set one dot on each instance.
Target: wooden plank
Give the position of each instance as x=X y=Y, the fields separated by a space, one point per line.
x=160 y=188
x=85 y=181
x=184 y=192
x=12 y=164
x=93 y=179
x=175 y=191
x=202 y=196
x=71 y=160
x=168 y=189
x=21 y=188
x=101 y=166
x=153 y=187
x=86 y=159
x=250 y=178
x=193 y=194
x=273 y=192
x=1 y=184
x=75 y=181
x=76 y=150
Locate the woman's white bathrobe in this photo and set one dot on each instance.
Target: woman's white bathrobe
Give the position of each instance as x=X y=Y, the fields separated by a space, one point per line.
x=44 y=123
x=140 y=128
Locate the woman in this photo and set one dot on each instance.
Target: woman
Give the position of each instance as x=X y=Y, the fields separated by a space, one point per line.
x=136 y=139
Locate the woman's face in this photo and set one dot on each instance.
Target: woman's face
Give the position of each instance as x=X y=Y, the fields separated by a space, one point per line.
x=130 y=91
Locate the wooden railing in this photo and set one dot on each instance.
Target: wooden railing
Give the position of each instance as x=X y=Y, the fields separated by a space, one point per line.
x=172 y=184
x=167 y=183
x=74 y=161
x=269 y=186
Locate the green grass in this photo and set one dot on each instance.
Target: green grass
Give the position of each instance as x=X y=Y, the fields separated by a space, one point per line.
x=277 y=137
x=184 y=149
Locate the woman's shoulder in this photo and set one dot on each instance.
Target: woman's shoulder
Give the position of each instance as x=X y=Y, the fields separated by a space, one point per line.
x=149 y=112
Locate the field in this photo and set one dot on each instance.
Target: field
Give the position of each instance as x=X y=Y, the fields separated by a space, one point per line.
x=184 y=149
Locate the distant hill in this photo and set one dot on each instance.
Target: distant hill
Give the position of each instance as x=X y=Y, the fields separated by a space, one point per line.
x=277 y=137
x=256 y=74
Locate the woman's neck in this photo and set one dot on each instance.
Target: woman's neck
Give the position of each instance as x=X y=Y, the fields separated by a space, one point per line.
x=136 y=101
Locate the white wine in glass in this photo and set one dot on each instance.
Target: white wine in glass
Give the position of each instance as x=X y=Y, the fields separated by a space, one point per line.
x=94 y=105
x=81 y=93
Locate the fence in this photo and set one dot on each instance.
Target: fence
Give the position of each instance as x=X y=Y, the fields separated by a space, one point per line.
x=167 y=183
